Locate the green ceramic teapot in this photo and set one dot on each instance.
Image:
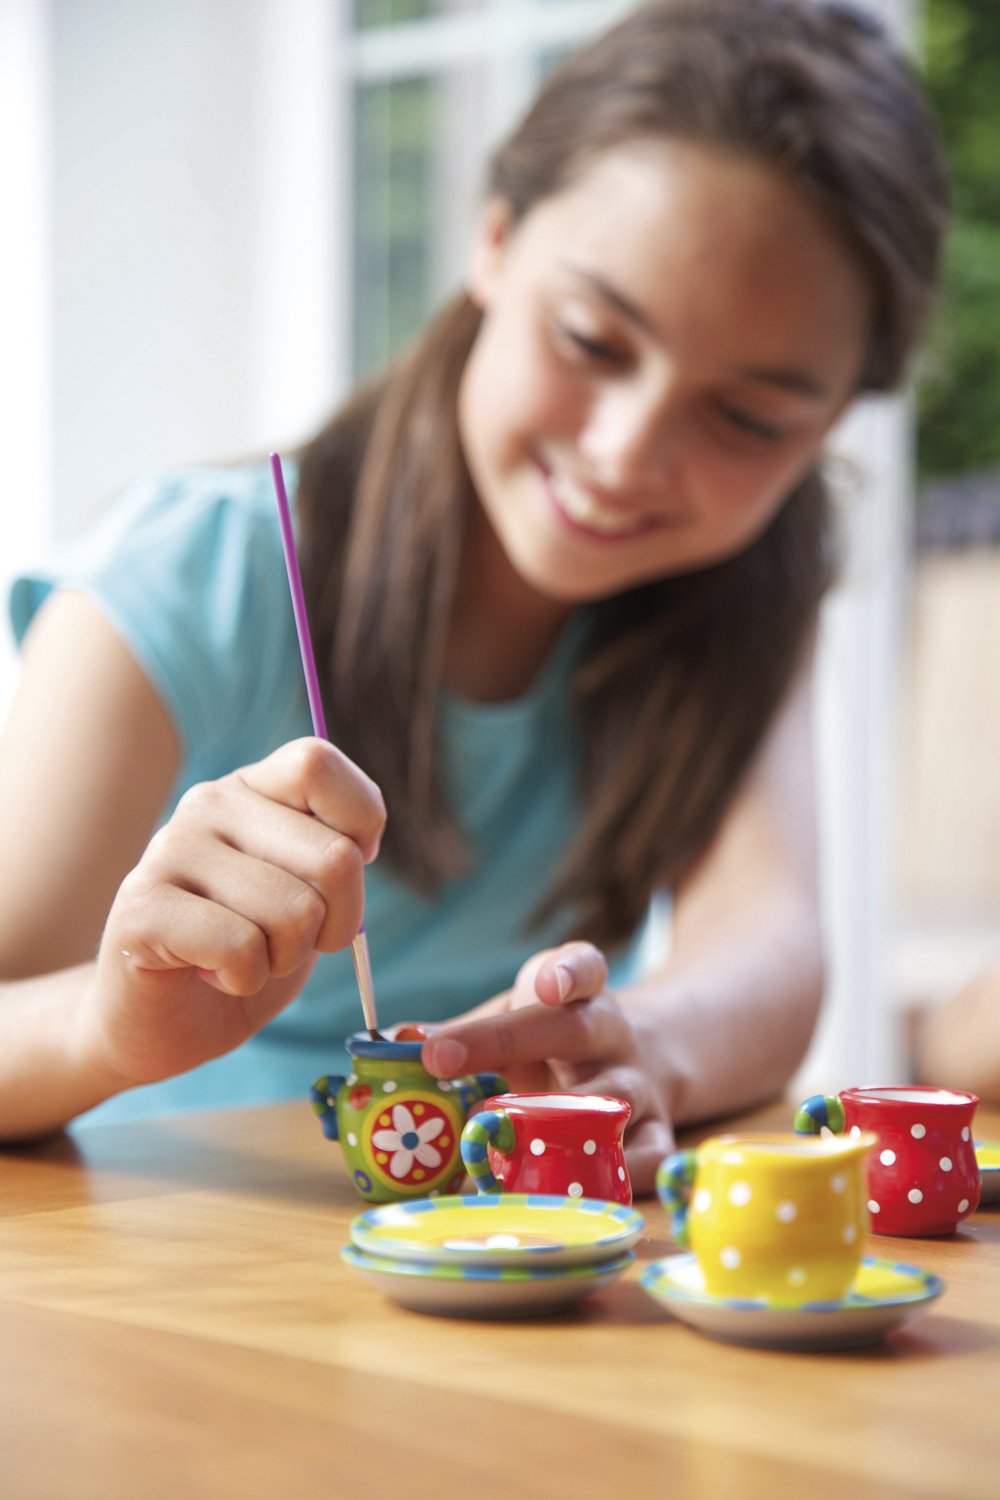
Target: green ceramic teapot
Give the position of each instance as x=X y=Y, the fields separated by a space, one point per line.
x=399 y=1127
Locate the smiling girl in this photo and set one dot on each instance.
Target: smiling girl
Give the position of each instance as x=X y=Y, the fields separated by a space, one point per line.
x=564 y=562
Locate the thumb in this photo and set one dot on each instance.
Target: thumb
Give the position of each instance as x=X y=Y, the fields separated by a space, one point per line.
x=574 y=971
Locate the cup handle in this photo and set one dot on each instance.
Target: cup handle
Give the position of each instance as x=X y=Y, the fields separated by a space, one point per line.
x=819 y=1112
x=674 y=1180
x=491 y=1127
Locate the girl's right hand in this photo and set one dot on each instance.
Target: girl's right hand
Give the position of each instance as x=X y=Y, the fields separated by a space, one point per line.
x=217 y=927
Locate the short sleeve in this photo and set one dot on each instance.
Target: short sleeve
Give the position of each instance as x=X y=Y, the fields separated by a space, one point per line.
x=188 y=569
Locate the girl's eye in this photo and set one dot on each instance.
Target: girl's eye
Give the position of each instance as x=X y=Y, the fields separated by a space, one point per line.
x=586 y=344
x=746 y=422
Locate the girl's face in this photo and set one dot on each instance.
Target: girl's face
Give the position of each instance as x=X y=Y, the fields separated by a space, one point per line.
x=665 y=344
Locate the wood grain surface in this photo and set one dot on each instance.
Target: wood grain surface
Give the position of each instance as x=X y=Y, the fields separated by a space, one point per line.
x=175 y=1321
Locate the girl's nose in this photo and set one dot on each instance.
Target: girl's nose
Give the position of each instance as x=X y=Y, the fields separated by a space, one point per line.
x=631 y=435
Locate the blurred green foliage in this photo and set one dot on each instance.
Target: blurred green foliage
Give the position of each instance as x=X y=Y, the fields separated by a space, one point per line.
x=958 y=426
x=372 y=13
x=395 y=131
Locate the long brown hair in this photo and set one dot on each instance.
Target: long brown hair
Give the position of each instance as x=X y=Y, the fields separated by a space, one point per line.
x=678 y=679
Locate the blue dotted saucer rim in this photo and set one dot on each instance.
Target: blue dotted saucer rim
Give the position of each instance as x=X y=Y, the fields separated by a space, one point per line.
x=658 y=1279
x=476 y=1271
x=596 y=1249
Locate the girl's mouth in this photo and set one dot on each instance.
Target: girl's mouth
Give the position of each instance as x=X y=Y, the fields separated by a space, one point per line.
x=578 y=507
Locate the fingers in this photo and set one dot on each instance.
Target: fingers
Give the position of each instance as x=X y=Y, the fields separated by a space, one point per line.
x=575 y=1033
x=312 y=776
x=583 y=1045
x=287 y=871
x=272 y=861
x=184 y=931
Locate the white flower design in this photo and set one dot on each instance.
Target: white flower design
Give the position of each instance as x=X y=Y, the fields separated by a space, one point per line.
x=407 y=1140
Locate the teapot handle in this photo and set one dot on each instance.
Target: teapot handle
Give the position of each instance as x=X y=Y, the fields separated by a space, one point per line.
x=476 y=1088
x=820 y=1112
x=323 y=1099
x=490 y=1128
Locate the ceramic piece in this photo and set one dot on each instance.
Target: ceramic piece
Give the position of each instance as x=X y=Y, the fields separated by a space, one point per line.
x=922 y=1174
x=511 y=1229
x=484 y=1291
x=398 y=1126
x=883 y=1297
x=988 y=1161
x=780 y=1216
x=569 y=1144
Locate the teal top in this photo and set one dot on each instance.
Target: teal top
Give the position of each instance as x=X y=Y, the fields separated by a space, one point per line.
x=189 y=570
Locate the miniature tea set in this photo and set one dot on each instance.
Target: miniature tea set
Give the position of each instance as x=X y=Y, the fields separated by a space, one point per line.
x=771 y=1229
x=775 y=1224
x=409 y=1138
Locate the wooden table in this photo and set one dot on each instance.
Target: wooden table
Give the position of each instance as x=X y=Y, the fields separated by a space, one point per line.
x=175 y=1321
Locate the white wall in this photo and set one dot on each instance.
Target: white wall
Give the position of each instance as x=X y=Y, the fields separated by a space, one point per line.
x=169 y=265
x=172 y=213
x=25 y=281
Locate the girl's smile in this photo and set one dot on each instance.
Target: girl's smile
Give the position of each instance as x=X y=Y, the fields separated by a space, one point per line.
x=665 y=344
x=584 y=511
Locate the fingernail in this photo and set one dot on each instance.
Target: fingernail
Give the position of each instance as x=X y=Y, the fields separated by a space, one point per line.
x=448 y=1056
x=564 y=979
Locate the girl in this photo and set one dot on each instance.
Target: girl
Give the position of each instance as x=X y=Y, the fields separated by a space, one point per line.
x=564 y=562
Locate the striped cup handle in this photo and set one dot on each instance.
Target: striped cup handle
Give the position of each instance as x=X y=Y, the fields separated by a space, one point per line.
x=491 y=1127
x=674 y=1180
x=818 y=1113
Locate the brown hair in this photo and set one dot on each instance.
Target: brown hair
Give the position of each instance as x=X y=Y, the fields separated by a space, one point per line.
x=678 y=679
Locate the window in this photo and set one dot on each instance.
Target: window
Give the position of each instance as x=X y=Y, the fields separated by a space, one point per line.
x=433 y=83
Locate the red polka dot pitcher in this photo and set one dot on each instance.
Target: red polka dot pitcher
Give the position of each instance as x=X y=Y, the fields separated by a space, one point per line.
x=398 y=1126
x=923 y=1178
x=564 y=1144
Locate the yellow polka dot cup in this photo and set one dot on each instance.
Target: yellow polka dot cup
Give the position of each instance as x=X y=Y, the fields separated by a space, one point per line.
x=923 y=1177
x=569 y=1145
x=779 y=1219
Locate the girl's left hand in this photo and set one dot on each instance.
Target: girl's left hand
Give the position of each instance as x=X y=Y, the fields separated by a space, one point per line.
x=560 y=1030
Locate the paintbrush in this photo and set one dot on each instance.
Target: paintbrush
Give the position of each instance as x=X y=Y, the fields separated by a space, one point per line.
x=359 y=947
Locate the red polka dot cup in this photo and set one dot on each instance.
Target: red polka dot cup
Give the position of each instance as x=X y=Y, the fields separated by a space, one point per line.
x=923 y=1178
x=564 y=1144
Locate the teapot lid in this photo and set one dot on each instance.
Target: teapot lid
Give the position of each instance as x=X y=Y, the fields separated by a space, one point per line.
x=360 y=1044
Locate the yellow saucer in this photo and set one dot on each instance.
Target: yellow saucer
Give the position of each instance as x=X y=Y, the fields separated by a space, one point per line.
x=503 y=1229
x=884 y=1295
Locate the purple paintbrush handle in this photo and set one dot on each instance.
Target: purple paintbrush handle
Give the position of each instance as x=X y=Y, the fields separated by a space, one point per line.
x=298 y=600
x=299 y=604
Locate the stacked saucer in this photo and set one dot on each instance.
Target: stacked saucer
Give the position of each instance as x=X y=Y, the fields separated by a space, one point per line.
x=505 y=1255
x=988 y=1160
